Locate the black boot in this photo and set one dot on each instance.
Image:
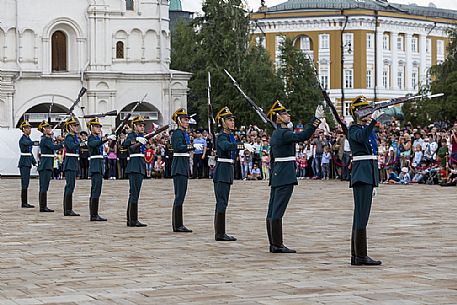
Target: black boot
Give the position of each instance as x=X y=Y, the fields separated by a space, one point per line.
x=93 y=207
x=268 y=222
x=25 y=204
x=352 y=248
x=68 y=205
x=133 y=216
x=43 y=199
x=360 y=248
x=276 y=238
x=176 y=220
x=219 y=228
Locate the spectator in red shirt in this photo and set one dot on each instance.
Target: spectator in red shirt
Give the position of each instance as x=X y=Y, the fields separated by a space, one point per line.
x=148 y=158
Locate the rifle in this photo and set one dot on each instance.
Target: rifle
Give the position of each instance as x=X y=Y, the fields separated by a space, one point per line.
x=127 y=117
x=50 y=109
x=156 y=132
x=211 y=121
x=395 y=101
x=76 y=102
x=100 y=115
x=251 y=103
x=327 y=99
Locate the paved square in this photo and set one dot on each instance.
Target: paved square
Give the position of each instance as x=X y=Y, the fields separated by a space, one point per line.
x=48 y=259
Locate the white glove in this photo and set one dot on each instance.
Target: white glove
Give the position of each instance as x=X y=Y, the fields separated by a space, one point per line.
x=375 y=115
x=198 y=146
x=375 y=192
x=319 y=112
x=141 y=140
x=249 y=147
x=112 y=137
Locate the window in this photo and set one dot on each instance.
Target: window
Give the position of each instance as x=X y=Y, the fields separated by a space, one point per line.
x=346 y=108
x=400 y=43
x=119 y=50
x=385 y=77
x=305 y=43
x=279 y=42
x=400 y=78
x=59 y=51
x=414 y=78
x=129 y=5
x=414 y=46
x=323 y=41
x=348 y=78
x=440 y=48
x=260 y=41
x=370 y=43
x=429 y=46
x=385 y=42
x=369 y=79
x=324 y=78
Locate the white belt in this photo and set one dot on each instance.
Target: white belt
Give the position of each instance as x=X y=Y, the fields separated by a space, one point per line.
x=26 y=154
x=46 y=156
x=224 y=160
x=136 y=155
x=71 y=155
x=96 y=157
x=285 y=159
x=362 y=158
x=181 y=155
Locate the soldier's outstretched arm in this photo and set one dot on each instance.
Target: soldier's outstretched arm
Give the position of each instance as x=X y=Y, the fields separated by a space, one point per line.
x=70 y=144
x=50 y=145
x=177 y=140
x=307 y=132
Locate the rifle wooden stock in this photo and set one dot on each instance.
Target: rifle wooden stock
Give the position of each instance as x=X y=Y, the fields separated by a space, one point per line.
x=156 y=132
x=100 y=115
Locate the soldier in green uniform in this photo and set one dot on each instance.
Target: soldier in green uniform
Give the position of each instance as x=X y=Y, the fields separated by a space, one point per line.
x=180 y=142
x=46 y=164
x=136 y=144
x=283 y=169
x=70 y=164
x=227 y=148
x=95 y=146
x=364 y=177
x=26 y=161
x=83 y=155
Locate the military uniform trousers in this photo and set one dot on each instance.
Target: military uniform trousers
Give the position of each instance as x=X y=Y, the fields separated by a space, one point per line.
x=222 y=192
x=135 y=182
x=70 y=178
x=279 y=199
x=25 y=176
x=45 y=178
x=363 y=197
x=96 y=185
x=180 y=185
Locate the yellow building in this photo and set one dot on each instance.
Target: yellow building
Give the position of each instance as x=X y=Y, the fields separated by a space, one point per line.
x=360 y=47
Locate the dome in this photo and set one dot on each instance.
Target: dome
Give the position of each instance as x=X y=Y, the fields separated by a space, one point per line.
x=175 y=5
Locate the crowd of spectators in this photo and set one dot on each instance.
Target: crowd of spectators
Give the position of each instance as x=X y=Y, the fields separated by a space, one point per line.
x=406 y=155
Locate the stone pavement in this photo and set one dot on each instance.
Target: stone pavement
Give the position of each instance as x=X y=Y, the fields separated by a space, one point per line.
x=49 y=259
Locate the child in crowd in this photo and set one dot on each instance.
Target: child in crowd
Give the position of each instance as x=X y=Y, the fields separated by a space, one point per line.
x=211 y=164
x=159 y=167
x=418 y=154
x=325 y=163
x=265 y=165
x=148 y=157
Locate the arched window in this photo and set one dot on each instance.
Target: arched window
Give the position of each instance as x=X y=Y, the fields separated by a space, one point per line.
x=129 y=5
x=119 y=50
x=59 y=51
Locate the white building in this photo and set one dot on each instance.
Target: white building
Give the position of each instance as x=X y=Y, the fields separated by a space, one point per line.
x=118 y=49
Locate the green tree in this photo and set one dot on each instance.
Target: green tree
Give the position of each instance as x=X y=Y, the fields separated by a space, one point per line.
x=444 y=79
x=302 y=94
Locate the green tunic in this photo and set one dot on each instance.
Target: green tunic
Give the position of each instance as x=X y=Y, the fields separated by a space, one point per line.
x=224 y=172
x=25 y=145
x=71 y=145
x=180 y=165
x=135 y=164
x=47 y=147
x=95 y=147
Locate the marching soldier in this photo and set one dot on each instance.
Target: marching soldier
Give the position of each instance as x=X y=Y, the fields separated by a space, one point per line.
x=364 y=178
x=46 y=164
x=180 y=142
x=136 y=144
x=26 y=161
x=95 y=147
x=283 y=169
x=226 y=148
x=84 y=155
x=70 y=165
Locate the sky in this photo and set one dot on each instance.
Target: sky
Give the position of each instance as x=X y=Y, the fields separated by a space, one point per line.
x=195 y=5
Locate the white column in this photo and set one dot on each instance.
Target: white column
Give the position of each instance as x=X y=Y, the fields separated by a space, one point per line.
x=380 y=59
x=394 y=50
x=423 y=56
x=409 y=62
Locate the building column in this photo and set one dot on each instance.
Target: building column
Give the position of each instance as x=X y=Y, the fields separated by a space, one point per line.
x=380 y=58
x=409 y=62
x=394 y=50
x=423 y=56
